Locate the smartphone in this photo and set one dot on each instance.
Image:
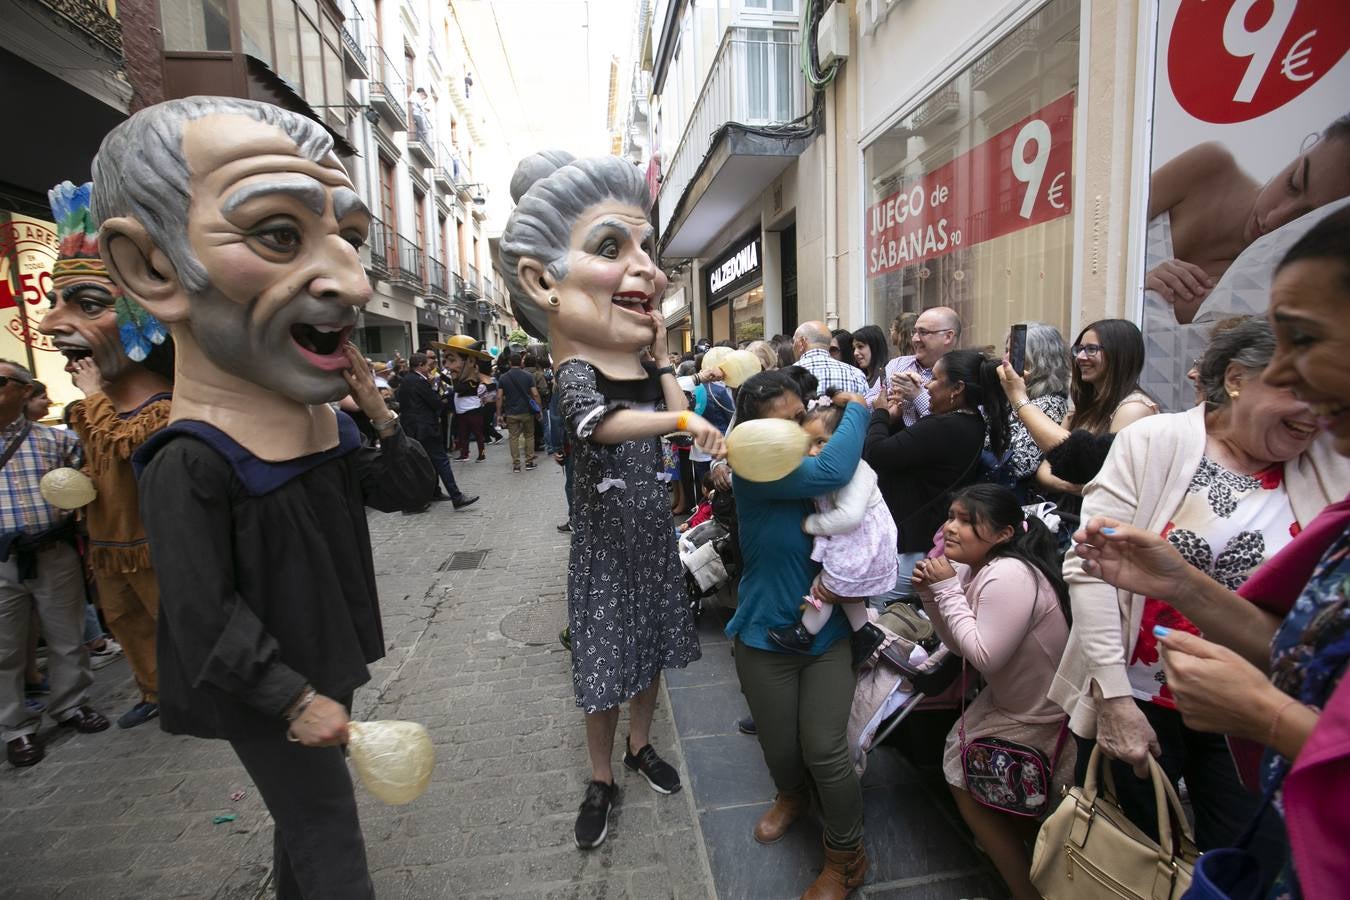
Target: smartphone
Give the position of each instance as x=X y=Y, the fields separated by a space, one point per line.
x=1017 y=348
x=687 y=383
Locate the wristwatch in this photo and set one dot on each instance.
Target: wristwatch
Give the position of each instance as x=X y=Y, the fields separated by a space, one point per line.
x=384 y=424
x=665 y=370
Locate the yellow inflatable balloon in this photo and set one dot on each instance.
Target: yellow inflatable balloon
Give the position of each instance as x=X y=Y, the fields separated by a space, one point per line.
x=67 y=488
x=766 y=449
x=738 y=366
x=394 y=759
x=713 y=358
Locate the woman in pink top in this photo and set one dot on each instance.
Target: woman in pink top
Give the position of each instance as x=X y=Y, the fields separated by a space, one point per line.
x=1292 y=619
x=1002 y=608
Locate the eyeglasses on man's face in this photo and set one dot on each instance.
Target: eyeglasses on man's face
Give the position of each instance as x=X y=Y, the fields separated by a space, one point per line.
x=6 y=379
x=1092 y=351
x=924 y=332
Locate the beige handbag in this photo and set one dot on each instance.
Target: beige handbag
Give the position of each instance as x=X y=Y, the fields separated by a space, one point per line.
x=1089 y=849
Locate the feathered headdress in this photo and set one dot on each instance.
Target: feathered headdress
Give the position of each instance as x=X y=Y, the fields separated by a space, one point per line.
x=77 y=254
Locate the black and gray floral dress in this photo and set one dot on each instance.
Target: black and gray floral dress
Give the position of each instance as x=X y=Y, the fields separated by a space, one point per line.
x=625 y=588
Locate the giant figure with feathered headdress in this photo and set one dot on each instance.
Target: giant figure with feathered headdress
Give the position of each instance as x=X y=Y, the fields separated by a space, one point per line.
x=121 y=358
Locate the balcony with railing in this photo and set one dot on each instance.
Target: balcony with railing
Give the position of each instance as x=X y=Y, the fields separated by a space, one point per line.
x=466 y=285
x=388 y=90
x=438 y=286
x=354 y=60
x=409 y=267
x=380 y=245
x=96 y=19
x=445 y=168
x=421 y=147
x=754 y=81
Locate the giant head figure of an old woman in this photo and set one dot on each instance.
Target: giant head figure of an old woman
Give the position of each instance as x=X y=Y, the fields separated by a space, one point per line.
x=578 y=257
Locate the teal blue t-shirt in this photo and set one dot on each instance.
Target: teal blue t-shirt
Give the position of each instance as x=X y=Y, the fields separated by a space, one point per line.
x=777 y=553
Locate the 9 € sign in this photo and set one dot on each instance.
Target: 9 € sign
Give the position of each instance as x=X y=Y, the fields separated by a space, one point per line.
x=1020 y=177
x=1233 y=60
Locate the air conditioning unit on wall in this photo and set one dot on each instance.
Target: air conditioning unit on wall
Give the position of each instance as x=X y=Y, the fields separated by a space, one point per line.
x=832 y=35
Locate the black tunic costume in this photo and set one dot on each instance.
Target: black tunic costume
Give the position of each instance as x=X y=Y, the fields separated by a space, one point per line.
x=627 y=603
x=265 y=571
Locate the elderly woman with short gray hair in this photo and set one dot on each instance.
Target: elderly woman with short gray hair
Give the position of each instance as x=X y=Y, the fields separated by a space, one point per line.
x=1228 y=483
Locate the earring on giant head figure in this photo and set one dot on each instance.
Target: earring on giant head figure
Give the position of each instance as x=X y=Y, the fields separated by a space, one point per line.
x=553 y=300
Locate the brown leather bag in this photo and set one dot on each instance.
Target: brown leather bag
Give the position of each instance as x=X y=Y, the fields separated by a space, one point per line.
x=1089 y=849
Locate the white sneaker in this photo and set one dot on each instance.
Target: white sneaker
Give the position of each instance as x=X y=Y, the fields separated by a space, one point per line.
x=100 y=658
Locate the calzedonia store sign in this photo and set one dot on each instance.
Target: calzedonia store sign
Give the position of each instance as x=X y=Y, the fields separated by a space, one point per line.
x=735 y=270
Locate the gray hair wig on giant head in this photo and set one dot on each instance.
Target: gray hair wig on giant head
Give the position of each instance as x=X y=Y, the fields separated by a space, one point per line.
x=140 y=171
x=551 y=190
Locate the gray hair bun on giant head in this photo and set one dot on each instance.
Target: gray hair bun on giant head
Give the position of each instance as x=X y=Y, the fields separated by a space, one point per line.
x=552 y=189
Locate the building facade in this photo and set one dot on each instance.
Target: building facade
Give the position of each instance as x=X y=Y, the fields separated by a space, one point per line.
x=1007 y=159
x=389 y=80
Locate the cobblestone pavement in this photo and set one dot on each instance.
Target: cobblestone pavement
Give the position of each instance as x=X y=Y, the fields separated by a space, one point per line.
x=473 y=601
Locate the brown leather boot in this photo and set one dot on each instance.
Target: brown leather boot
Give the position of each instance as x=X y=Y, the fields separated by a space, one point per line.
x=786 y=809
x=844 y=871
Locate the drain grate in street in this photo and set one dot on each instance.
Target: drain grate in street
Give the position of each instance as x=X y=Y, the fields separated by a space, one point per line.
x=463 y=561
x=535 y=624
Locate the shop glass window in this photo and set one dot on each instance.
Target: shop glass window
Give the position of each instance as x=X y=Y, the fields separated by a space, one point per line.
x=969 y=194
x=255 y=29
x=721 y=323
x=287 y=42
x=196 y=25
x=747 y=313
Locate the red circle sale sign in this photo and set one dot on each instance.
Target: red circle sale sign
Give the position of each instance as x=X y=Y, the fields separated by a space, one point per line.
x=1234 y=60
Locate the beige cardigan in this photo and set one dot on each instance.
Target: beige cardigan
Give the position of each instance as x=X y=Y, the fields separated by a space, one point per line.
x=1143 y=483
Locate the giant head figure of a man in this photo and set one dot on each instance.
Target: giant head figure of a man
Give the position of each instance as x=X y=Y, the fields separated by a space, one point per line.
x=233 y=222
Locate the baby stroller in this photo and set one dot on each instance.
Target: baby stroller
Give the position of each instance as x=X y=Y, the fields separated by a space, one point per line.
x=912 y=667
x=707 y=554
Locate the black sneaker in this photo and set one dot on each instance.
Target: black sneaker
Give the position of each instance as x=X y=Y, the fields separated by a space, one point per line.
x=565 y=528
x=593 y=817
x=795 y=639
x=660 y=774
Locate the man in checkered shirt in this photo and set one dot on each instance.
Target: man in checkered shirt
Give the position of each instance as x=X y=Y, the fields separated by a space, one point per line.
x=811 y=345
x=39 y=569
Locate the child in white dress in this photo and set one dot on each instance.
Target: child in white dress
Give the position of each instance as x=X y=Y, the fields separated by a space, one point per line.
x=855 y=544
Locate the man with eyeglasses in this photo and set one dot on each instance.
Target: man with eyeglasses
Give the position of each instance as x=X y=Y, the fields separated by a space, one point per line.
x=936 y=331
x=39 y=571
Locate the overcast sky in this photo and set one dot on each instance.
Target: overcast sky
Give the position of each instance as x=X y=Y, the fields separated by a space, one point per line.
x=544 y=68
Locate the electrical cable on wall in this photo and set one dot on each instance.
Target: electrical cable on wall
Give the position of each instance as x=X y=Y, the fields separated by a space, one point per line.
x=812 y=10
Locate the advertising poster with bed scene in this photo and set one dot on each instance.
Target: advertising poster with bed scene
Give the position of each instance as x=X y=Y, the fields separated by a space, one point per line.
x=1251 y=148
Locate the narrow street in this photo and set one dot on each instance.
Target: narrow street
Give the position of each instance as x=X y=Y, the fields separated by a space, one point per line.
x=473 y=602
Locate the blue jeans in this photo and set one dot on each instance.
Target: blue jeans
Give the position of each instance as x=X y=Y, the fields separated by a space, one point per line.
x=904 y=563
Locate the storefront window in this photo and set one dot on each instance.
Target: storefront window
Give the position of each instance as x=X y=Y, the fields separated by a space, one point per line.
x=969 y=194
x=747 y=315
x=721 y=323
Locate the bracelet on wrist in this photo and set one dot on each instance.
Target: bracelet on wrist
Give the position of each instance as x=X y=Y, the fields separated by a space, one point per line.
x=1275 y=722
x=1017 y=407
x=665 y=370
x=682 y=421
x=298 y=708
